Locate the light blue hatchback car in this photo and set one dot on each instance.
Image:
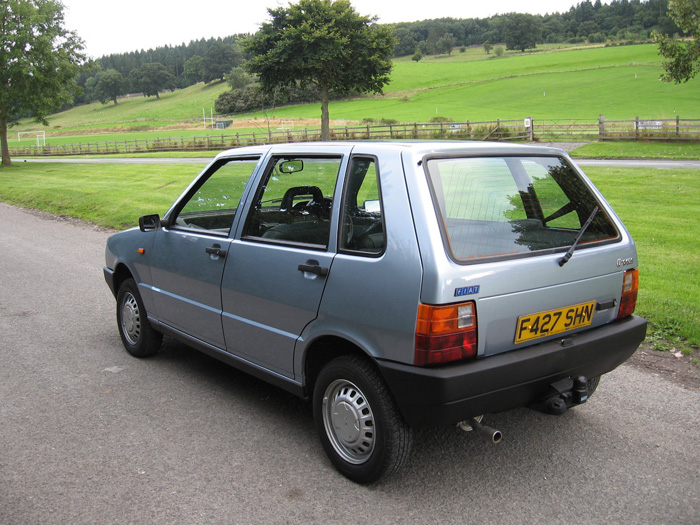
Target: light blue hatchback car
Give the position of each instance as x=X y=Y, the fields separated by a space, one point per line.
x=395 y=285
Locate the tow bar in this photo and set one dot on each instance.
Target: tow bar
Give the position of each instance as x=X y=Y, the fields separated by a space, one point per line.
x=564 y=394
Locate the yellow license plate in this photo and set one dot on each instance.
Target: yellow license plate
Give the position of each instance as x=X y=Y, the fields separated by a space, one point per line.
x=551 y=322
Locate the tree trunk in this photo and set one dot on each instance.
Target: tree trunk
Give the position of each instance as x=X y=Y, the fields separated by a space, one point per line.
x=6 y=161
x=325 y=117
x=115 y=100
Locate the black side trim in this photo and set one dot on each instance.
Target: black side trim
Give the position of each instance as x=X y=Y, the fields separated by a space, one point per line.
x=231 y=360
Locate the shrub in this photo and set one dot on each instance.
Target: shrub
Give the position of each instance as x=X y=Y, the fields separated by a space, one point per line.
x=442 y=119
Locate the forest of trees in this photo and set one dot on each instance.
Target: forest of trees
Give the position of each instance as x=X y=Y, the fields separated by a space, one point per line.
x=216 y=59
x=621 y=20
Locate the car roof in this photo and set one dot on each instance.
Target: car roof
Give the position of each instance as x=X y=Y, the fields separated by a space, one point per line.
x=417 y=148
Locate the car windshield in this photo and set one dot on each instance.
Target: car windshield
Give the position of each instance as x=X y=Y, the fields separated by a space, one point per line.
x=511 y=206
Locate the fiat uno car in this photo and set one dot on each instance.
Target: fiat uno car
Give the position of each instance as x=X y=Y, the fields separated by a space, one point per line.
x=394 y=285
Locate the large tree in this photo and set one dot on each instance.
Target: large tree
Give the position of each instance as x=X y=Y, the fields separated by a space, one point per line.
x=521 y=31
x=219 y=60
x=110 y=85
x=682 y=58
x=151 y=78
x=194 y=69
x=325 y=43
x=39 y=63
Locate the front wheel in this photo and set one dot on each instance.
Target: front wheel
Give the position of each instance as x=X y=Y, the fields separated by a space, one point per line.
x=138 y=336
x=358 y=422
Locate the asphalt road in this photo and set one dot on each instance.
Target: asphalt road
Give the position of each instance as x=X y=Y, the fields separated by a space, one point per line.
x=89 y=434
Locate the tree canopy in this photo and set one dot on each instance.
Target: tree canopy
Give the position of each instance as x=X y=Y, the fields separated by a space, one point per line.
x=110 y=85
x=682 y=58
x=219 y=60
x=522 y=31
x=152 y=78
x=39 y=63
x=325 y=43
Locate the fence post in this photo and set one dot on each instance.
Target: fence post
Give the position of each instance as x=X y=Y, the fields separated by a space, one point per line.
x=531 y=130
x=678 y=126
x=636 y=128
x=601 y=128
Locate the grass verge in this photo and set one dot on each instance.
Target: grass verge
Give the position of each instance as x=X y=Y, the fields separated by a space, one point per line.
x=638 y=150
x=659 y=207
x=111 y=195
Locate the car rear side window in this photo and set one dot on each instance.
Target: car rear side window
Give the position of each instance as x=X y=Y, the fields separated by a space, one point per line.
x=294 y=202
x=362 y=231
x=511 y=206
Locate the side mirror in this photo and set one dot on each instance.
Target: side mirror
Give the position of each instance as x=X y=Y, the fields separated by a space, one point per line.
x=149 y=223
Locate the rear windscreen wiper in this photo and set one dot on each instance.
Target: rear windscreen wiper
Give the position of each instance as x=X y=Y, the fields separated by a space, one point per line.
x=583 y=229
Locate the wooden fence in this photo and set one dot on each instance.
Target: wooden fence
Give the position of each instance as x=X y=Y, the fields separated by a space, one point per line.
x=524 y=130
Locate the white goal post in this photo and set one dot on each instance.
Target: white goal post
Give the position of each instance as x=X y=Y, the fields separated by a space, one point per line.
x=40 y=136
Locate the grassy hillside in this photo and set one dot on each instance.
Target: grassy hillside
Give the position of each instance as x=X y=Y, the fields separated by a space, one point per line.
x=136 y=113
x=619 y=82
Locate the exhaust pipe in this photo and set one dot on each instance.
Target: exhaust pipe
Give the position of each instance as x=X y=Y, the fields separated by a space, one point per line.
x=486 y=432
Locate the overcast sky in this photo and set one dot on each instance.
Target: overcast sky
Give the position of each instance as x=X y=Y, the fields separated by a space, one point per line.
x=109 y=26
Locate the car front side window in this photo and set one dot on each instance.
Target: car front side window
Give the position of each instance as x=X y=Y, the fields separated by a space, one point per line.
x=213 y=204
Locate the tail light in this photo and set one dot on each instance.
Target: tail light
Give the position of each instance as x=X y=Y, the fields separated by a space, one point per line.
x=630 y=286
x=445 y=333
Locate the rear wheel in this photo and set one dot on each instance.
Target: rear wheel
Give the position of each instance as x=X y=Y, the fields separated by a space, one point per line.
x=138 y=336
x=358 y=422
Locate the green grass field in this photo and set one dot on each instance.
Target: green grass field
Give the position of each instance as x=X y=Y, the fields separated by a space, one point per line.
x=573 y=83
x=639 y=150
x=659 y=207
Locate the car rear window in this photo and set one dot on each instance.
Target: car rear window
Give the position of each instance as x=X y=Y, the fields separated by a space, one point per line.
x=513 y=206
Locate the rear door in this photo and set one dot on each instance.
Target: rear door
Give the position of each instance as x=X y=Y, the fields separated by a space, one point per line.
x=279 y=263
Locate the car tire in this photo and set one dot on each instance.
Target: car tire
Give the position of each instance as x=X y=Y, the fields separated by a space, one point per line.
x=357 y=420
x=138 y=336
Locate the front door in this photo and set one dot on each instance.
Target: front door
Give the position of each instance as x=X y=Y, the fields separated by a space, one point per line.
x=189 y=254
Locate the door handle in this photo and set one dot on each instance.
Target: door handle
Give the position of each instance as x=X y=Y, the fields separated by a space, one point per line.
x=215 y=250
x=315 y=269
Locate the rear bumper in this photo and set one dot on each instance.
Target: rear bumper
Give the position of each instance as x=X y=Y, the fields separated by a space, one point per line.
x=447 y=395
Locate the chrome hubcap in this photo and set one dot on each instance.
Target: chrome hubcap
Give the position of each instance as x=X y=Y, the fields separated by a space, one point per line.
x=130 y=319
x=349 y=421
